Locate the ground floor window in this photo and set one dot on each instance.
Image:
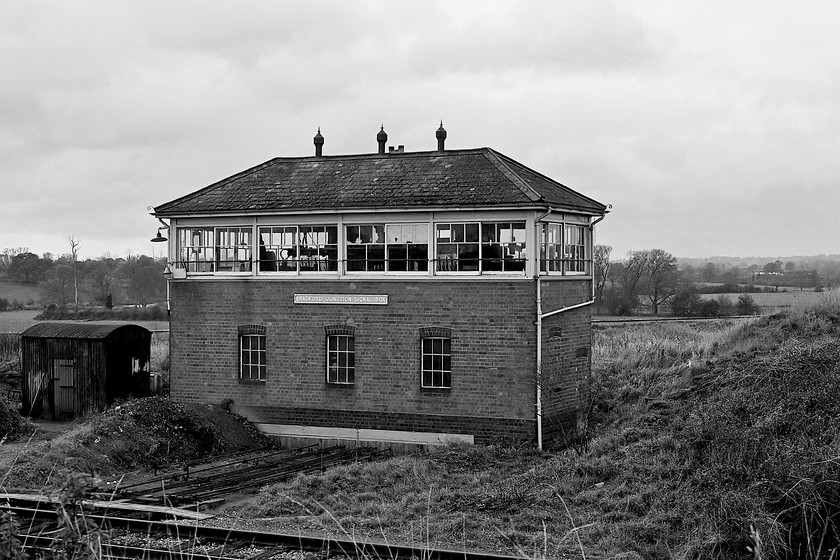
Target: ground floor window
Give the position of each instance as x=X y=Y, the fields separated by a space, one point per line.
x=341 y=358
x=252 y=353
x=436 y=359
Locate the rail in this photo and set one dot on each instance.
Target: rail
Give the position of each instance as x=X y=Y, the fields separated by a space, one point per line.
x=151 y=539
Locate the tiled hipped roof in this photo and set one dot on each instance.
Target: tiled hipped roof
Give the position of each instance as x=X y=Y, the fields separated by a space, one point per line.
x=455 y=178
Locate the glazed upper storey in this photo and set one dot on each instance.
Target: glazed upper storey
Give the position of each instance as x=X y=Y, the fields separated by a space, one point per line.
x=456 y=212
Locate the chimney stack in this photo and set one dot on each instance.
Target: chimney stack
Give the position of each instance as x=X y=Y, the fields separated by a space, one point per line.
x=381 y=139
x=441 y=137
x=319 y=143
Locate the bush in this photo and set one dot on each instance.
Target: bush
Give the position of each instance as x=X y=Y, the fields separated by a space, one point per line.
x=686 y=303
x=689 y=303
x=725 y=306
x=4 y=304
x=746 y=305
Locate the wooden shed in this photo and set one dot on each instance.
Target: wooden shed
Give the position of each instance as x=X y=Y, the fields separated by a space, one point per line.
x=70 y=369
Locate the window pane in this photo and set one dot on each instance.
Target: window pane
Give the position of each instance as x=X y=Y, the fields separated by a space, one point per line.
x=471 y=233
x=457 y=232
x=356 y=257
x=427 y=362
x=488 y=232
x=427 y=345
x=443 y=232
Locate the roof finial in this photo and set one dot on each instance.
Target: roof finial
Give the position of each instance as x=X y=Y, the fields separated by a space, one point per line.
x=381 y=139
x=441 y=136
x=319 y=143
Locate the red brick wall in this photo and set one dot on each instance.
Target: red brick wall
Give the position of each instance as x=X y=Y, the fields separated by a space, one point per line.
x=493 y=350
x=567 y=339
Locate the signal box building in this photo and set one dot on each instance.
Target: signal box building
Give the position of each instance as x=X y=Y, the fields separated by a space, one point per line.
x=400 y=297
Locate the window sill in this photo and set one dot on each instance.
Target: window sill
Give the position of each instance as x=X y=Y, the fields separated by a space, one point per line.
x=340 y=385
x=255 y=382
x=436 y=390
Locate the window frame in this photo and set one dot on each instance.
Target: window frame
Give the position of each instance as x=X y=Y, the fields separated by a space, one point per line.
x=252 y=333
x=429 y=355
x=559 y=257
x=334 y=373
x=183 y=252
x=377 y=257
x=242 y=249
x=296 y=249
x=483 y=241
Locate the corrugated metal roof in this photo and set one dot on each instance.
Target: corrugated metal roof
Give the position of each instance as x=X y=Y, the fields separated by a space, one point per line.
x=75 y=330
x=479 y=177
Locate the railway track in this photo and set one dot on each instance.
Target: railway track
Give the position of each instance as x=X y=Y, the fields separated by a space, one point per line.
x=39 y=533
x=207 y=485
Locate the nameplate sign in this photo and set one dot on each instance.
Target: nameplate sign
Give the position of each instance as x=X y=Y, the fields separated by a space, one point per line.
x=341 y=299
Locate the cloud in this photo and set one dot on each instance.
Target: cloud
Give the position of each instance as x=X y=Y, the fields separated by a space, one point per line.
x=539 y=37
x=718 y=108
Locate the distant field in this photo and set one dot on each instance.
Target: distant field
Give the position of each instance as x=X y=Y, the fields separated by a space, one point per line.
x=18 y=292
x=17 y=321
x=772 y=302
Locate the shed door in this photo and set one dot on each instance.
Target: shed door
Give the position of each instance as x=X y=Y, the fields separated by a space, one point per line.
x=63 y=389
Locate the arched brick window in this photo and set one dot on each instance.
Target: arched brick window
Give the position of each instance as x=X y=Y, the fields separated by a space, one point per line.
x=435 y=357
x=341 y=354
x=252 y=353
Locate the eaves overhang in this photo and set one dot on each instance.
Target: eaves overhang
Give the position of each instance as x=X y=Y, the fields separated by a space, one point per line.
x=379 y=210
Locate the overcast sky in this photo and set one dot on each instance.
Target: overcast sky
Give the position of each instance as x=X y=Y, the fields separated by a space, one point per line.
x=712 y=128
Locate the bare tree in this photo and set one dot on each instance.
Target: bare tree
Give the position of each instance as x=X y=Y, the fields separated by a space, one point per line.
x=74 y=258
x=601 y=261
x=661 y=277
x=633 y=273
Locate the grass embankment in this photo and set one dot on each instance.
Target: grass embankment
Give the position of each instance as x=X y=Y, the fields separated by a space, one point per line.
x=700 y=433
